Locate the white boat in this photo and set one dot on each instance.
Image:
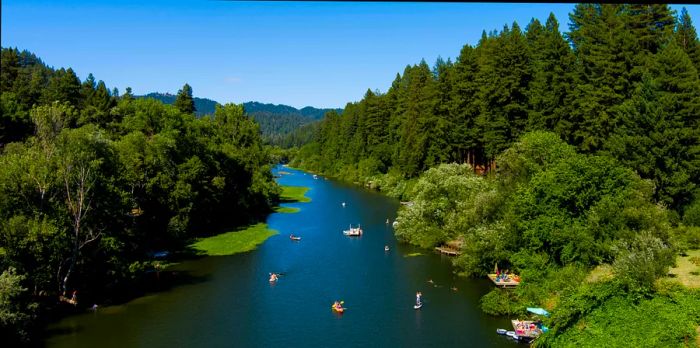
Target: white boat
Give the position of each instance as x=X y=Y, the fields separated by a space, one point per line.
x=501 y=331
x=315 y=176
x=353 y=231
x=396 y=223
x=512 y=335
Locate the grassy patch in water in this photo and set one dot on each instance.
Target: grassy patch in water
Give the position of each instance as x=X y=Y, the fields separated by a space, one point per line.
x=287 y=210
x=413 y=255
x=230 y=243
x=294 y=194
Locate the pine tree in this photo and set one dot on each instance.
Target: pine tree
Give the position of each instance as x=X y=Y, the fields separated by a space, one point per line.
x=605 y=52
x=552 y=68
x=184 y=101
x=659 y=133
x=63 y=86
x=504 y=78
x=651 y=25
x=687 y=39
x=464 y=107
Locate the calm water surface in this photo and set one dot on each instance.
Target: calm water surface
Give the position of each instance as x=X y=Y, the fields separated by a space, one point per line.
x=232 y=304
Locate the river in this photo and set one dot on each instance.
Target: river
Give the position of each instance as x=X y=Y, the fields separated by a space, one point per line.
x=230 y=303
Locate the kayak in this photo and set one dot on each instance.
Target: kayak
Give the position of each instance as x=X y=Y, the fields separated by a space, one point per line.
x=294 y=238
x=418 y=306
x=501 y=331
x=339 y=310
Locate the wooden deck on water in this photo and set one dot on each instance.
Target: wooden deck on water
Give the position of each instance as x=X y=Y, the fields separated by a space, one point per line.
x=507 y=284
x=448 y=251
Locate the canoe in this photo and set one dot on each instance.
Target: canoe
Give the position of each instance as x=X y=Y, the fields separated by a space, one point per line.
x=501 y=331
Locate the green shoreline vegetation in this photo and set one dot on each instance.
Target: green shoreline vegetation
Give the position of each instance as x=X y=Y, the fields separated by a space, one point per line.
x=248 y=238
x=234 y=242
x=575 y=163
x=99 y=189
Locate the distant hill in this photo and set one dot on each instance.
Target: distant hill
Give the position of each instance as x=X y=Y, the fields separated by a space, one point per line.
x=277 y=121
x=203 y=106
x=308 y=112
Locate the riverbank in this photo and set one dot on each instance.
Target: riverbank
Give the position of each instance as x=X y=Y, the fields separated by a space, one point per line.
x=526 y=221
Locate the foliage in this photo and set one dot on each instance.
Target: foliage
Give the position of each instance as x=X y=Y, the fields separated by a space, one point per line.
x=642 y=260
x=443 y=203
x=625 y=85
x=13 y=318
x=202 y=106
x=184 y=101
x=667 y=320
x=93 y=183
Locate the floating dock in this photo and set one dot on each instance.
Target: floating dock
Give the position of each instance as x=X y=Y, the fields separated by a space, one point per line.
x=510 y=283
x=448 y=251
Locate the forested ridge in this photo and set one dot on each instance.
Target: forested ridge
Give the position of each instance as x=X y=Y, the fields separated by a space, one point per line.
x=94 y=183
x=572 y=160
x=281 y=125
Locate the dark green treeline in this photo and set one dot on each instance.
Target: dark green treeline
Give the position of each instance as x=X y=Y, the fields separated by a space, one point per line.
x=93 y=182
x=623 y=81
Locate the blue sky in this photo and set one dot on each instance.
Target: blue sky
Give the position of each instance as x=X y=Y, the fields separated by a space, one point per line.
x=322 y=54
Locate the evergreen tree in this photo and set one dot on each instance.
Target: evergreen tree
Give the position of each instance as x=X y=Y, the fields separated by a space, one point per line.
x=464 y=107
x=651 y=25
x=552 y=68
x=504 y=77
x=604 y=49
x=63 y=86
x=184 y=101
x=687 y=39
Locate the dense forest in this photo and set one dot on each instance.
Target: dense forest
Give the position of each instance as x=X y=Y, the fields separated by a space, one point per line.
x=622 y=82
x=573 y=160
x=281 y=125
x=94 y=183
